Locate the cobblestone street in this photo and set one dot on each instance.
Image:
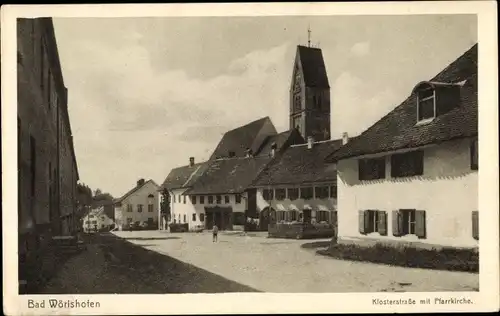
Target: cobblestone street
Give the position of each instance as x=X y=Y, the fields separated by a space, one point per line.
x=279 y=265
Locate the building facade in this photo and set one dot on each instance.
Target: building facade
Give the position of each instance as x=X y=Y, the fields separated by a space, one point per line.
x=47 y=169
x=412 y=176
x=96 y=220
x=139 y=208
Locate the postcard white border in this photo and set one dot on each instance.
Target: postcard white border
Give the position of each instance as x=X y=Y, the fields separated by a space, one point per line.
x=487 y=299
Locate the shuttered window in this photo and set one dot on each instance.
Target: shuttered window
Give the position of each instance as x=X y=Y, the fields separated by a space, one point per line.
x=210 y=199
x=371 y=221
x=409 y=222
x=322 y=216
x=407 y=164
x=202 y=199
x=218 y=199
x=193 y=199
x=226 y=199
x=333 y=191
x=237 y=198
x=475 y=225
x=194 y=217
x=371 y=169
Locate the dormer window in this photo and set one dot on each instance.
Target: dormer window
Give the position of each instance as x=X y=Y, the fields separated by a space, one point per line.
x=426 y=100
x=436 y=98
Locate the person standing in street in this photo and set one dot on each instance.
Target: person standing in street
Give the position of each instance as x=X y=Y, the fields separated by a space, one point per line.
x=214 y=233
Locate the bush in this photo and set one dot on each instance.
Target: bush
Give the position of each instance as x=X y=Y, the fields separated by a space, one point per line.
x=452 y=259
x=300 y=230
x=178 y=228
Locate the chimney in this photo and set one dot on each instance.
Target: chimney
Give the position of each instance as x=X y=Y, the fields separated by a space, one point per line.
x=310 y=142
x=345 y=138
x=273 y=149
x=140 y=182
x=191 y=161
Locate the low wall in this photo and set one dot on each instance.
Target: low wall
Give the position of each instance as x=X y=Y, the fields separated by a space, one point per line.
x=300 y=230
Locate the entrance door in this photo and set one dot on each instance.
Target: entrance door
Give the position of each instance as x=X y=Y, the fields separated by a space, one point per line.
x=209 y=220
x=264 y=219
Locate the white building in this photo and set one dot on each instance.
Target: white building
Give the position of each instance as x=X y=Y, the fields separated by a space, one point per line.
x=97 y=219
x=139 y=207
x=412 y=176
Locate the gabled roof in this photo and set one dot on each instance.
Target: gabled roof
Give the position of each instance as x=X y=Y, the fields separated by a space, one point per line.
x=230 y=175
x=313 y=67
x=282 y=141
x=299 y=164
x=398 y=129
x=240 y=139
x=133 y=190
x=107 y=207
x=184 y=177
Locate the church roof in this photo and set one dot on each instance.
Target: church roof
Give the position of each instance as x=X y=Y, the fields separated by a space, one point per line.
x=299 y=164
x=242 y=138
x=398 y=129
x=313 y=67
x=229 y=175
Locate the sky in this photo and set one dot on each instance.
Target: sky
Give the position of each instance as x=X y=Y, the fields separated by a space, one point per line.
x=145 y=94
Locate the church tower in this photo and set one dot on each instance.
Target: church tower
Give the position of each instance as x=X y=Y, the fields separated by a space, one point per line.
x=310 y=94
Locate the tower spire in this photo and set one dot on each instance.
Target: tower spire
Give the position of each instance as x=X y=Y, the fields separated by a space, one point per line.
x=309 y=36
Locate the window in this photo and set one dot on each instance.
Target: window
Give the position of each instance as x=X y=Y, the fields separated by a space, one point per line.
x=185 y=218
x=219 y=199
x=184 y=199
x=232 y=154
x=94 y=222
x=202 y=217
x=102 y=217
x=306 y=193
x=202 y=199
x=150 y=220
x=371 y=221
x=407 y=164
x=333 y=191
x=173 y=198
x=91 y=216
x=194 y=217
x=321 y=192
x=150 y=207
x=293 y=193
x=371 y=169
x=268 y=194
x=280 y=194
x=280 y=216
x=409 y=222
x=226 y=199
x=129 y=220
x=474 y=155
x=210 y=199
x=426 y=104
x=322 y=216
x=297 y=102
x=139 y=208
x=129 y=207
x=193 y=199
x=19 y=58
x=292 y=215
x=237 y=198
x=102 y=225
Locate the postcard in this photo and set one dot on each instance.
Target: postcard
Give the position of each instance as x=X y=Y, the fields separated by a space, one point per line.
x=250 y=158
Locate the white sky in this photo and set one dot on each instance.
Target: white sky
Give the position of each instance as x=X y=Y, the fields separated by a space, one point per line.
x=145 y=94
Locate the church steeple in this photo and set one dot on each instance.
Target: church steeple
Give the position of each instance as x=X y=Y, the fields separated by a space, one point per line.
x=310 y=94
